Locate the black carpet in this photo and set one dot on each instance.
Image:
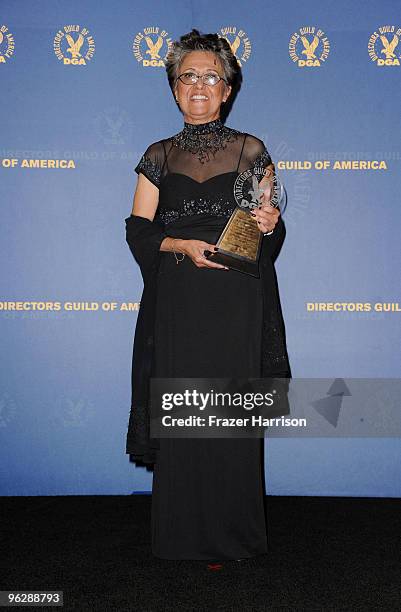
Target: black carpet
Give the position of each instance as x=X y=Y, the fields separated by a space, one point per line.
x=325 y=554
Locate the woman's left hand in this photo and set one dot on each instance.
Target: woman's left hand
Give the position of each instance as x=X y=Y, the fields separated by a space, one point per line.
x=266 y=216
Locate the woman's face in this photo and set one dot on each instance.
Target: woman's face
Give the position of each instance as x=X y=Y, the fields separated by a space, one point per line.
x=201 y=103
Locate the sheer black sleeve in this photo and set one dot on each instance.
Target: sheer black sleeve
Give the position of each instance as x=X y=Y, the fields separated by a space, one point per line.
x=257 y=155
x=151 y=163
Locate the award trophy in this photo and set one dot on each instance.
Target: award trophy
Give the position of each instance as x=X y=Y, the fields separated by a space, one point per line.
x=240 y=241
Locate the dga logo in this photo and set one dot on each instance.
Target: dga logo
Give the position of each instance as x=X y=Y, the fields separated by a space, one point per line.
x=74 y=46
x=6 y=44
x=250 y=186
x=151 y=46
x=239 y=43
x=114 y=125
x=74 y=411
x=309 y=47
x=383 y=46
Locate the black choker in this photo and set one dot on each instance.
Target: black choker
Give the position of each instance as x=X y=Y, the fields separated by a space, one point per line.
x=203 y=139
x=203 y=128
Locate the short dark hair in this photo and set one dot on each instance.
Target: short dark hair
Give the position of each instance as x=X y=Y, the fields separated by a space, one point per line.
x=195 y=41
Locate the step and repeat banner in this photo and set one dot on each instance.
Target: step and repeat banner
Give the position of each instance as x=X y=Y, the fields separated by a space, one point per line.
x=84 y=92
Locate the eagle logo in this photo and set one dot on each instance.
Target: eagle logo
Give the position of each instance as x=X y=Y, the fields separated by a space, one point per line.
x=114 y=125
x=151 y=46
x=239 y=42
x=154 y=48
x=75 y=46
x=235 y=44
x=388 y=48
x=255 y=193
x=8 y=39
x=310 y=48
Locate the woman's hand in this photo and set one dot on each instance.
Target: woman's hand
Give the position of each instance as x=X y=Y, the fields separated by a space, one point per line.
x=195 y=249
x=266 y=215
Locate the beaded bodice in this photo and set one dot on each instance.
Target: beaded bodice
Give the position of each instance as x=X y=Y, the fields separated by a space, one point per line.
x=195 y=170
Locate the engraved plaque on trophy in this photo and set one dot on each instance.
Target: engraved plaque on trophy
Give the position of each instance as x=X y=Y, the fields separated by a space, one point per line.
x=240 y=242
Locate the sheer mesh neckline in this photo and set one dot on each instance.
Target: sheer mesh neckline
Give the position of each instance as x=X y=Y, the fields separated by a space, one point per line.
x=224 y=149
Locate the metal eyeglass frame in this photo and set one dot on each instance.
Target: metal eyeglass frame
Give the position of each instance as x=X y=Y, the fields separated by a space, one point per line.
x=201 y=76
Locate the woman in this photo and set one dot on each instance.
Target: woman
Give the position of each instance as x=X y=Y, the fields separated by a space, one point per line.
x=197 y=317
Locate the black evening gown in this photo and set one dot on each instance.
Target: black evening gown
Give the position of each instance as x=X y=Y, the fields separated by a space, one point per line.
x=208 y=494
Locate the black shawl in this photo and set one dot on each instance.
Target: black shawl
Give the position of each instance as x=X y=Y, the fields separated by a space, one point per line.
x=144 y=238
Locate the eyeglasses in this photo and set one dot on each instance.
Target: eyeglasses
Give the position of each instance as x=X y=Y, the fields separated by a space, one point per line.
x=209 y=78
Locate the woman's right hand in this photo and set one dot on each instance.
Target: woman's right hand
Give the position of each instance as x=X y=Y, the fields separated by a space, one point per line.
x=195 y=249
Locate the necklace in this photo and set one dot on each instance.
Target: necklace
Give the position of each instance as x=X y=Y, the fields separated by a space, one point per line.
x=204 y=139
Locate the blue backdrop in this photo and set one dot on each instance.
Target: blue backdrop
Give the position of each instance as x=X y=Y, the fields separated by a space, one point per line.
x=78 y=85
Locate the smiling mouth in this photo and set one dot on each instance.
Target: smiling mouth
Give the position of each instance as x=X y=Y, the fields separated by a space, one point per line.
x=199 y=98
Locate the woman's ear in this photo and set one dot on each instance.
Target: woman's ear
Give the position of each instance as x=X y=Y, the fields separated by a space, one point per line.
x=227 y=92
